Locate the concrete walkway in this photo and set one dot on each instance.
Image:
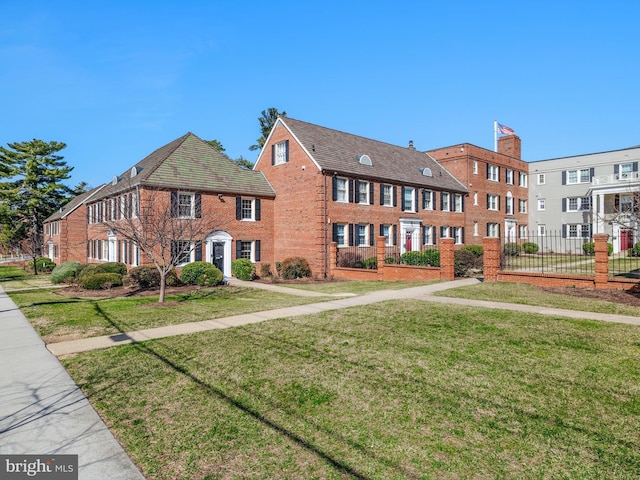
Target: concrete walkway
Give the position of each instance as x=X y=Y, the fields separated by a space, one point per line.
x=42 y=410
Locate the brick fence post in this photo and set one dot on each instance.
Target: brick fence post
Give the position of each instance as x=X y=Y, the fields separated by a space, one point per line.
x=446 y=259
x=491 y=258
x=602 y=260
x=381 y=254
x=333 y=257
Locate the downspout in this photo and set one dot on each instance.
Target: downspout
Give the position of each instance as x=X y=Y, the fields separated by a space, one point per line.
x=324 y=227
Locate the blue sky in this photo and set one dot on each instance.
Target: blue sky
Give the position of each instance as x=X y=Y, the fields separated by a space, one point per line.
x=116 y=80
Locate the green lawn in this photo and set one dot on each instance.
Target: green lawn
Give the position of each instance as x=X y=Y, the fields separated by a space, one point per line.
x=524 y=294
x=400 y=390
x=358 y=287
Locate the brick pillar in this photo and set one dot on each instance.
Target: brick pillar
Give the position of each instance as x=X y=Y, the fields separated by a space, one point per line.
x=602 y=260
x=446 y=259
x=491 y=258
x=381 y=253
x=333 y=257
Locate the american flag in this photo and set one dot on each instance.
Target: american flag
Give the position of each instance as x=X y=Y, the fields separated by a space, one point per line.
x=505 y=130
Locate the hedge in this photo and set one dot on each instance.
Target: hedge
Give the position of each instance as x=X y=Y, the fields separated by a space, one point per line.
x=201 y=273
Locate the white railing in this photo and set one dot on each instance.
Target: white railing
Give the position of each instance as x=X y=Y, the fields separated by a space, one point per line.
x=616 y=178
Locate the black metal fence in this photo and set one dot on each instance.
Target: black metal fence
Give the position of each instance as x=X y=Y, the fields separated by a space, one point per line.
x=366 y=257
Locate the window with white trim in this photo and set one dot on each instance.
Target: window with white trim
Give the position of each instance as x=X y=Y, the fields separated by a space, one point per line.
x=387 y=195
x=509 y=176
x=186 y=205
x=542 y=203
x=428 y=200
x=475 y=167
x=582 y=175
x=456 y=233
x=281 y=152
x=363 y=192
x=493 y=173
x=625 y=170
x=492 y=202
x=541 y=179
x=386 y=233
x=492 y=230
x=342 y=189
x=522 y=205
x=340 y=236
x=475 y=198
x=509 y=205
x=246 y=250
x=457 y=202
x=542 y=230
x=428 y=237
x=475 y=228
x=522 y=231
x=408 y=199
x=247 y=209
x=444 y=202
x=183 y=251
x=523 y=180
x=362 y=235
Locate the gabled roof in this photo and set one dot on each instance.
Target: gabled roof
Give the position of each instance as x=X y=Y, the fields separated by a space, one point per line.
x=334 y=151
x=74 y=203
x=190 y=163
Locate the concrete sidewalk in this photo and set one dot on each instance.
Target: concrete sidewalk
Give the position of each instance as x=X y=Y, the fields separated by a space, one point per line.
x=42 y=410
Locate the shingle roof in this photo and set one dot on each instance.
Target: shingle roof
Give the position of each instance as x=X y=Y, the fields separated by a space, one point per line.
x=336 y=151
x=74 y=203
x=190 y=163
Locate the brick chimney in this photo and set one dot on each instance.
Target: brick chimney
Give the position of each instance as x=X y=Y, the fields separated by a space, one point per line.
x=510 y=145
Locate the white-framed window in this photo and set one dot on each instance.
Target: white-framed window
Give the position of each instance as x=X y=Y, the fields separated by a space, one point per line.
x=247 y=209
x=340 y=234
x=576 y=230
x=183 y=251
x=509 y=205
x=281 y=152
x=522 y=205
x=625 y=170
x=362 y=235
x=387 y=195
x=186 y=205
x=363 y=192
x=523 y=180
x=493 y=230
x=522 y=231
x=444 y=202
x=542 y=230
x=509 y=176
x=456 y=233
x=428 y=235
x=585 y=203
x=572 y=231
x=444 y=232
x=386 y=231
x=541 y=179
x=475 y=198
x=577 y=204
x=542 y=203
x=457 y=202
x=493 y=202
x=428 y=200
x=582 y=175
x=572 y=204
x=247 y=249
x=408 y=199
x=493 y=173
x=342 y=189
x=626 y=203
x=475 y=167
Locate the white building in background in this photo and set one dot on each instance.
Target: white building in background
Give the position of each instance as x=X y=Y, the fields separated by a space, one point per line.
x=576 y=197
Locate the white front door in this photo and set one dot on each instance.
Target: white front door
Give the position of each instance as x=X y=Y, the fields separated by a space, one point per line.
x=410 y=235
x=218 y=251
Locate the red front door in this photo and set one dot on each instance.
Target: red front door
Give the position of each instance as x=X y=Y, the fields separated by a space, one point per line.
x=407 y=243
x=626 y=239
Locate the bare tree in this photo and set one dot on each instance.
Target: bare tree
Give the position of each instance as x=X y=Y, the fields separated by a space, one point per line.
x=622 y=210
x=166 y=227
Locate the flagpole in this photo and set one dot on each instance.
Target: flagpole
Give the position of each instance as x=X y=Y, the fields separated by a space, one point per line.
x=495 y=135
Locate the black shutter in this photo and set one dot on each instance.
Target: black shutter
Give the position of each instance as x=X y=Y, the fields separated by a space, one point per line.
x=351 y=186
x=498 y=202
x=334 y=188
x=174 y=205
x=352 y=229
x=257 y=248
x=198 y=209
x=441 y=201
x=488 y=172
x=130 y=253
x=130 y=203
x=487 y=229
x=616 y=202
x=424 y=234
x=395 y=234
x=334 y=233
x=592 y=172
x=356 y=191
x=402 y=200
x=564 y=204
x=635 y=166
x=416 y=195
x=616 y=169
x=381 y=194
x=564 y=230
x=273 y=154
x=371 y=235
x=462 y=234
x=395 y=196
x=382 y=230
x=462 y=203
x=371 y=192
x=286 y=150
x=564 y=177
x=238 y=249
x=499 y=230
x=238 y=208
x=488 y=201
x=498 y=173
x=198 y=252
x=258 y=208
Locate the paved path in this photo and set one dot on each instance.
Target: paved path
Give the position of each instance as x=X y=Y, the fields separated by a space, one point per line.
x=43 y=412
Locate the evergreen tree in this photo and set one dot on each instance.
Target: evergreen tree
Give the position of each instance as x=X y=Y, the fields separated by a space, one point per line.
x=267 y=119
x=31 y=189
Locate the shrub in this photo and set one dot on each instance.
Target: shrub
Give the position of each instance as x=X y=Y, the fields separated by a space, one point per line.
x=609 y=248
x=243 y=269
x=97 y=281
x=635 y=250
x=370 y=263
x=411 y=258
x=512 y=249
x=65 y=273
x=265 y=270
x=295 y=267
x=45 y=264
x=93 y=268
x=145 y=277
x=430 y=257
x=476 y=250
x=201 y=273
x=391 y=260
x=589 y=248
x=350 y=260
x=530 y=247
x=463 y=261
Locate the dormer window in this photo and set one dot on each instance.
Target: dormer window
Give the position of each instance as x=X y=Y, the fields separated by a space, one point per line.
x=135 y=171
x=364 y=160
x=426 y=171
